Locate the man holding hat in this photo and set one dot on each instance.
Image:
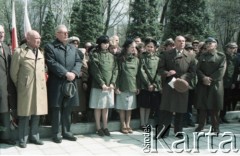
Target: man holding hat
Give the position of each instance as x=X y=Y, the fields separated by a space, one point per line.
x=180 y=65
x=209 y=90
x=230 y=78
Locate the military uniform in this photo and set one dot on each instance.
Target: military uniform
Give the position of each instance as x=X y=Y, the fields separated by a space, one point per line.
x=210 y=97
x=230 y=78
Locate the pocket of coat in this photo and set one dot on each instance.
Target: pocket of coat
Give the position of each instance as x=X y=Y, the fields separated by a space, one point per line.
x=27 y=81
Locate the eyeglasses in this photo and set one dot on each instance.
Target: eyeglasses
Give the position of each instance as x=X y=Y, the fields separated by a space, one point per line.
x=61 y=32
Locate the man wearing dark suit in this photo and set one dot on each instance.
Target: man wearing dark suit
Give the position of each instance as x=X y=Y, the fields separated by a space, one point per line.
x=180 y=64
x=5 y=58
x=64 y=65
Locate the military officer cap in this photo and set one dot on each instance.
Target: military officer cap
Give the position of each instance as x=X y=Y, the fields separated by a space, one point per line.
x=188 y=46
x=169 y=42
x=181 y=85
x=210 y=39
x=195 y=41
x=231 y=45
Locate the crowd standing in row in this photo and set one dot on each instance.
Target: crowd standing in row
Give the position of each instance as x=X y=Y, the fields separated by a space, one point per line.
x=164 y=81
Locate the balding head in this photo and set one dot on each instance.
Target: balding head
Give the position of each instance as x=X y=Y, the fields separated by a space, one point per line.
x=180 y=42
x=33 y=39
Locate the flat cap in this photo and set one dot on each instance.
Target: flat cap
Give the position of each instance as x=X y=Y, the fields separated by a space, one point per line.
x=73 y=38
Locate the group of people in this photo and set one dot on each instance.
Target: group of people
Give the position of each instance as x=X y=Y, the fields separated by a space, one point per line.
x=140 y=74
x=23 y=78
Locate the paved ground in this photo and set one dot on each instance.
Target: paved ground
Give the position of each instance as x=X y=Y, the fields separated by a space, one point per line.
x=137 y=144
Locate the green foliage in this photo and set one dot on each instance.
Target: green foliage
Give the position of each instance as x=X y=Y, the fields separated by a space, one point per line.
x=187 y=17
x=144 y=19
x=87 y=21
x=48 y=33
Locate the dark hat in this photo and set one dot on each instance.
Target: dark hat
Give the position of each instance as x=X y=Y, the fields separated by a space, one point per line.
x=169 y=42
x=103 y=39
x=181 y=85
x=68 y=89
x=210 y=39
x=232 y=45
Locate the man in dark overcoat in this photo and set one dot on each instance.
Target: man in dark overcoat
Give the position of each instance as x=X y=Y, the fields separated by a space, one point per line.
x=64 y=65
x=5 y=59
x=230 y=79
x=180 y=64
x=209 y=90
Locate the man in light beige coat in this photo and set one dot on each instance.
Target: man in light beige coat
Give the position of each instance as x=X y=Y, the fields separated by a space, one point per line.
x=28 y=74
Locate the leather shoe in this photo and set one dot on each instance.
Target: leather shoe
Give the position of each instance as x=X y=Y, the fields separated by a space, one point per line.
x=22 y=145
x=36 y=142
x=57 y=140
x=71 y=138
x=9 y=142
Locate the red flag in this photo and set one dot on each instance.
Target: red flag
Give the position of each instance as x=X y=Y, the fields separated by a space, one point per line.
x=14 y=28
x=27 y=26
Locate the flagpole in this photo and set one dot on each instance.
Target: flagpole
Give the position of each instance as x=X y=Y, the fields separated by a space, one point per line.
x=14 y=28
x=27 y=25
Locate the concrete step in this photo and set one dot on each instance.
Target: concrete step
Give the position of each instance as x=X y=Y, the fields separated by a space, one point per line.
x=82 y=128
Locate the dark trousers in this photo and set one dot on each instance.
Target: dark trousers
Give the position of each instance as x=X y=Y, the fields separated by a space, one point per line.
x=5 y=124
x=188 y=115
x=227 y=101
x=61 y=121
x=165 y=118
x=214 y=118
x=23 y=128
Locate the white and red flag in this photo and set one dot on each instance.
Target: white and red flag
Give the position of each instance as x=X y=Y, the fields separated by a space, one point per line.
x=14 y=28
x=27 y=25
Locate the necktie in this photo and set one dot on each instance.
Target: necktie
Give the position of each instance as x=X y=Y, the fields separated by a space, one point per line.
x=2 y=52
x=35 y=52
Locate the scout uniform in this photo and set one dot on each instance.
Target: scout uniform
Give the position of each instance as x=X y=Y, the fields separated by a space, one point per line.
x=103 y=70
x=127 y=83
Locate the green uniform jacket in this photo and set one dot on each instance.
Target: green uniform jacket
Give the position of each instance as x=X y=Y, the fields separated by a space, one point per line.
x=103 y=68
x=128 y=73
x=212 y=65
x=232 y=71
x=149 y=71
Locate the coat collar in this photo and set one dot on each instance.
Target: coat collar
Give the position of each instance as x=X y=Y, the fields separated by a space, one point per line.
x=58 y=44
x=30 y=53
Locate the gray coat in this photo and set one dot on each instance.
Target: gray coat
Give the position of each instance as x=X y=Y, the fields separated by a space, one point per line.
x=61 y=59
x=5 y=77
x=185 y=67
x=212 y=65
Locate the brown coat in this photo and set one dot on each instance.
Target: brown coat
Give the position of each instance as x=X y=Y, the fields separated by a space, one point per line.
x=28 y=76
x=185 y=67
